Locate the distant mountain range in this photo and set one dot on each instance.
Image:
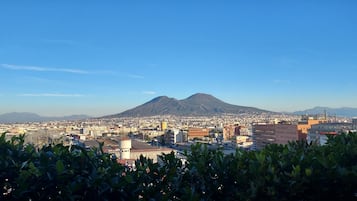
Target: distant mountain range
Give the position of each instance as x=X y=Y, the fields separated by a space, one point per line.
x=196 y=105
x=23 y=117
x=343 y=111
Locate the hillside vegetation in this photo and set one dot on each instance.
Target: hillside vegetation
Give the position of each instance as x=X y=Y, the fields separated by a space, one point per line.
x=296 y=171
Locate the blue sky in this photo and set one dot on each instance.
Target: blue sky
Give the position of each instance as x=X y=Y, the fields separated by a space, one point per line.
x=103 y=57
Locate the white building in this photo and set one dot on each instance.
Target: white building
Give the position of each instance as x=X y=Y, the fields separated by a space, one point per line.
x=319 y=132
x=174 y=136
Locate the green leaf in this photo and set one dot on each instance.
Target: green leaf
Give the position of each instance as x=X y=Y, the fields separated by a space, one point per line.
x=59 y=166
x=308 y=172
x=296 y=170
x=128 y=178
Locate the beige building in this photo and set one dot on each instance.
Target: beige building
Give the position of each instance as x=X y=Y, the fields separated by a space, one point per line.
x=229 y=132
x=199 y=133
x=305 y=124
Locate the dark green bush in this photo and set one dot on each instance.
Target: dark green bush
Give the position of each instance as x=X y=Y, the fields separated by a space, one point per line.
x=297 y=171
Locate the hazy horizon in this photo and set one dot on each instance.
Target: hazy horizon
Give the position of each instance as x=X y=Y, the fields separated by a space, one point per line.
x=100 y=58
x=117 y=112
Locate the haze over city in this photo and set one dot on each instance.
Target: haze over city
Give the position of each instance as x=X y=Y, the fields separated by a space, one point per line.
x=96 y=58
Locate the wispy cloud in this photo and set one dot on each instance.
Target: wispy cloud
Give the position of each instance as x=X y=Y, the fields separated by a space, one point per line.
x=43 y=69
x=149 y=92
x=69 y=70
x=51 y=95
x=135 y=76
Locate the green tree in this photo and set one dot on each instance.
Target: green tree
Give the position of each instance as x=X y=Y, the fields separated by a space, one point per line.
x=297 y=171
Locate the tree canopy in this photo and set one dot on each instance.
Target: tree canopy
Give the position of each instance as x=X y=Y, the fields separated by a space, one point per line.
x=296 y=171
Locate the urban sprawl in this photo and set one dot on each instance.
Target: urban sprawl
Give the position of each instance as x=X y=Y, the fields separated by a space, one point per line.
x=128 y=138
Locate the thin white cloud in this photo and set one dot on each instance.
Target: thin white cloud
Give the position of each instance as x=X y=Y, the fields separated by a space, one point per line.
x=135 y=76
x=43 y=69
x=67 y=70
x=51 y=95
x=149 y=92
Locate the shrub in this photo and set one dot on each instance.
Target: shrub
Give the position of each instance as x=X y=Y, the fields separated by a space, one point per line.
x=296 y=171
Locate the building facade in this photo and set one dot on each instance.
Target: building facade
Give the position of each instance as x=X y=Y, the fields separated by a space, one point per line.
x=285 y=132
x=174 y=136
x=280 y=133
x=305 y=124
x=263 y=134
x=198 y=133
x=319 y=133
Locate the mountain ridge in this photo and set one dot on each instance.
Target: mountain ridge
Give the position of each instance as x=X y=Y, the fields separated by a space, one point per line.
x=198 y=104
x=341 y=111
x=24 y=117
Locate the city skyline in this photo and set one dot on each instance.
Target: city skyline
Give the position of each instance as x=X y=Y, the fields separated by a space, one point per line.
x=97 y=59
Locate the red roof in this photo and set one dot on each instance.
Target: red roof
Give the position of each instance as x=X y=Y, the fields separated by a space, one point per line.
x=328 y=133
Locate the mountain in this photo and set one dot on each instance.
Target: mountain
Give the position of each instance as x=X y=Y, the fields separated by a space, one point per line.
x=343 y=111
x=196 y=105
x=23 y=117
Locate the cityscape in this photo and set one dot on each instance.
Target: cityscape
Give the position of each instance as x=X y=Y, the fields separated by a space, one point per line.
x=178 y=100
x=154 y=135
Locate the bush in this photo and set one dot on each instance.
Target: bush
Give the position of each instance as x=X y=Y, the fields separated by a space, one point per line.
x=297 y=171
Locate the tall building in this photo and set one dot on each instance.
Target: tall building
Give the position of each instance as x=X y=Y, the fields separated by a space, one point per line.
x=263 y=134
x=280 y=133
x=285 y=132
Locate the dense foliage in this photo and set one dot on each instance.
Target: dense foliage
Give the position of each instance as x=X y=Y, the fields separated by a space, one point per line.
x=297 y=171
